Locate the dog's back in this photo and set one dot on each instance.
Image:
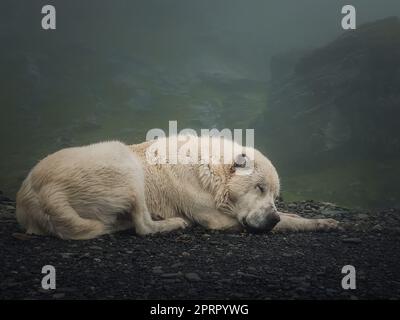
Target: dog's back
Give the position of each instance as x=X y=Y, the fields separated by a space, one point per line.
x=75 y=192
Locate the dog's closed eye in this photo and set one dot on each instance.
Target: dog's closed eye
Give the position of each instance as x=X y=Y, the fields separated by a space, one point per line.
x=261 y=188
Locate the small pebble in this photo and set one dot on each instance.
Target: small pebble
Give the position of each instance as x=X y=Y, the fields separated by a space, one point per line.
x=192 y=276
x=351 y=240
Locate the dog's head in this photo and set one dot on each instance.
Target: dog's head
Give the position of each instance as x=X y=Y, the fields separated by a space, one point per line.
x=252 y=189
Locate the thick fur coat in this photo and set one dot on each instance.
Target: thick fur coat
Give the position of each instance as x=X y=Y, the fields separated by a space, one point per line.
x=84 y=192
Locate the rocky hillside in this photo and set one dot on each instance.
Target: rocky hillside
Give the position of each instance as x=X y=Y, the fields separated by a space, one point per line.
x=339 y=104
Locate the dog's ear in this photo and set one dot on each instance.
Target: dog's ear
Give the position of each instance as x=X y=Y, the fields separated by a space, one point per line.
x=241 y=164
x=240 y=161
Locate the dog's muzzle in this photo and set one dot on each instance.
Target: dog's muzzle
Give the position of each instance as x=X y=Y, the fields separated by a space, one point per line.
x=267 y=224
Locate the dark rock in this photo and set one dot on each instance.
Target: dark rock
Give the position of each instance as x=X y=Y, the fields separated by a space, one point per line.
x=95 y=248
x=22 y=236
x=352 y=240
x=171 y=275
x=192 y=276
x=177 y=265
x=377 y=227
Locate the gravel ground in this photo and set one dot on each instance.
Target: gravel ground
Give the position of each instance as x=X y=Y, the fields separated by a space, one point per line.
x=203 y=264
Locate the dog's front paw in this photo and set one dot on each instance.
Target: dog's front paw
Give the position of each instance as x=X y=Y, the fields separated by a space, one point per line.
x=179 y=223
x=327 y=224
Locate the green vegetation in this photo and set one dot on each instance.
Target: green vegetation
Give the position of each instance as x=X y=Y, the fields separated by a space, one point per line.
x=361 y=184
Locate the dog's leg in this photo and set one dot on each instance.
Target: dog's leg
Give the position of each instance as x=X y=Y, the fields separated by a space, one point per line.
x=62 y=220
x=289 y=214
x=293 y=222
x=217 y=221
x=144 y=224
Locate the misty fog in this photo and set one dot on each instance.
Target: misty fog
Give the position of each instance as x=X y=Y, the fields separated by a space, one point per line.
x=116 y=69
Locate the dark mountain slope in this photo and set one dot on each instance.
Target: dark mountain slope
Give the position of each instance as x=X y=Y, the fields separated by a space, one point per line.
x=339 y=104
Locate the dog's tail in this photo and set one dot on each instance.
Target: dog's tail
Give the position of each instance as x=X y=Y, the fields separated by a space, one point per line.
x=49 y=212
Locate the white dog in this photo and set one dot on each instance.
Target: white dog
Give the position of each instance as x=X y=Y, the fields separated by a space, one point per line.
x=84 y=192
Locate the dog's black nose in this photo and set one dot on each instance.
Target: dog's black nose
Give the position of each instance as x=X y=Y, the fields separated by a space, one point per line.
x=267 y=225
x=271 y=221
